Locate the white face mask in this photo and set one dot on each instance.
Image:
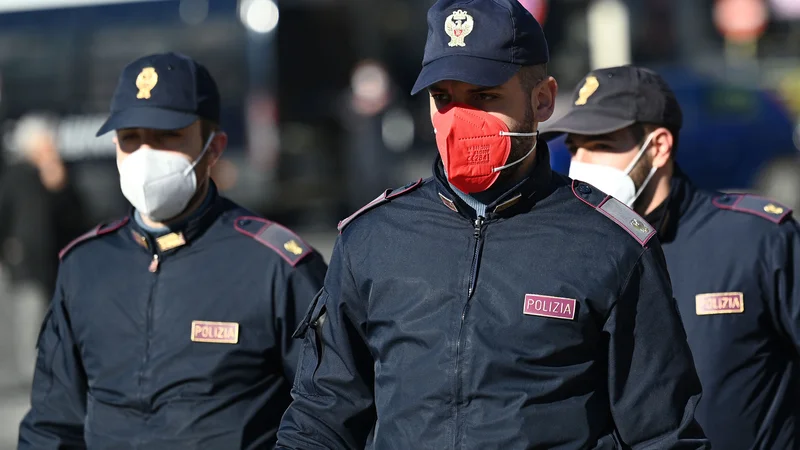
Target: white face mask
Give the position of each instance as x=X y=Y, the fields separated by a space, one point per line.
x=159 y=184
x=614 y=182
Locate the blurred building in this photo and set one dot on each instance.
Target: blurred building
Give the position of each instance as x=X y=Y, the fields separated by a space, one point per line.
x=288 y=70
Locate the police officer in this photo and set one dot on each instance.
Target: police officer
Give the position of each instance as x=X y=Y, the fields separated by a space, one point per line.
x=496 y=305
x=171 y=328
x=733 y=258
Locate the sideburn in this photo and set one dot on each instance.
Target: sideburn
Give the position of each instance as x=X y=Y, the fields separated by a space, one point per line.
x=642 y=169
x=520 y=145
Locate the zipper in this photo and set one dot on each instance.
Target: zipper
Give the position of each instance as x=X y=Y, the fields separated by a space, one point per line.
x=473 y=279
x=152 y=268
x=475 y=258
x=153 y=264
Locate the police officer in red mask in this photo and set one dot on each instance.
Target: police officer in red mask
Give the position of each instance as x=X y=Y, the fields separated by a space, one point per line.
x=497 y=304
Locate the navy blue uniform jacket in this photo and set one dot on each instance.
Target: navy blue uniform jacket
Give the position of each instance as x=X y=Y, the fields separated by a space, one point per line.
x=180 y=342
x=548 y=324
x=734 y=261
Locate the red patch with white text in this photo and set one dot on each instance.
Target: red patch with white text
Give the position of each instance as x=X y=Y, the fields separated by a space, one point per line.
x=547 y=306
x=215 y=332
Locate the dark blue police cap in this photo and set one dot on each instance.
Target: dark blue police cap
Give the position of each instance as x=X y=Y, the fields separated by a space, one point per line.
x=165 y=91
x=480 y=42
x=614 y=98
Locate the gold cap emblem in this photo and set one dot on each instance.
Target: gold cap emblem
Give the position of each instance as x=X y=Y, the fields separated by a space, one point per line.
x=146 y=81
x=292 y=247
x=458 y=25
x=589 y=87
x=772 y=209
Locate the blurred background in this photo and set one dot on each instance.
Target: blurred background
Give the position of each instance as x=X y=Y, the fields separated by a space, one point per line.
x=316 y=105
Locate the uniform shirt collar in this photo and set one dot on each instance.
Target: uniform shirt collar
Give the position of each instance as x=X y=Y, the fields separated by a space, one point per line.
x=498 y=199
x=667 y=215
x=176 y=235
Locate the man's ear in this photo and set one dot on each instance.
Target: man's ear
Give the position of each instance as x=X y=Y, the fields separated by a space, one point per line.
x=543 y=99
x=217 y=147
x=661 y=147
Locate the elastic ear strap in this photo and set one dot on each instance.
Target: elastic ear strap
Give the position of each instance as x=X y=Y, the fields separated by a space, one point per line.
x=200 y=156
x=511 y=133
x=535 y=143
x=639 y=155
x=644 y=184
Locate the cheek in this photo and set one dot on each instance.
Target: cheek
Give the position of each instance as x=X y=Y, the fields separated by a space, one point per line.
x=511 y=123
x=121 y=156
x=433 y=108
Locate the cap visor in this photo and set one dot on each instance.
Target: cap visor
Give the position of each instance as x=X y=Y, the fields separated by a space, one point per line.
x=586 y=122
x=147 y=117
x=468 y=69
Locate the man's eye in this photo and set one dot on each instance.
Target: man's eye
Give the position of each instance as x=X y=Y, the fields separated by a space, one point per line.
x=486 y=97
x=440 y=98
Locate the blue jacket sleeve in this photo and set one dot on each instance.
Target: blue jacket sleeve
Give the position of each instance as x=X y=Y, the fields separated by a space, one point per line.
x=333 y=398
x=779 y=271
x=291 y=304
x=58 y=397
x=653 y=384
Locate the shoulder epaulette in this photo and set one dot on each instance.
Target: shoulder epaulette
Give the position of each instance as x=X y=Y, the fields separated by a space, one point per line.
x=753 y=204
x=280 y=239
x=379 y=200
x=615 y=210
x=91 y=234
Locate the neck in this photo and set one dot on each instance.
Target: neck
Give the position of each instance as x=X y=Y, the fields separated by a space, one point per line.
x=194 y=204
x=656 y=192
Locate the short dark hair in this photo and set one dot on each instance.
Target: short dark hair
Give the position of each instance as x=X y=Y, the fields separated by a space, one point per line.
x=641 y=130
x=530 y=76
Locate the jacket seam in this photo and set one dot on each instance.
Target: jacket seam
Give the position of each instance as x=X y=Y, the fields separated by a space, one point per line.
x=625 y=284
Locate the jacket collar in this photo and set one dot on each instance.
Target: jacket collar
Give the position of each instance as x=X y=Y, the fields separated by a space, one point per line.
x=182 y=233
x=520 y=197
x=668 y=215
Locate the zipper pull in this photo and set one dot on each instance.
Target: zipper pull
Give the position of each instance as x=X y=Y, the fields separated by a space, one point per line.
x=478 y=226
x=153 y=264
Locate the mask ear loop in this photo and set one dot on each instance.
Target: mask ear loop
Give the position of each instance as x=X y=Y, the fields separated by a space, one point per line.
x=644 y=184
x=638 y=155
x=200 y=156
x=633 y=164
x=535 y=143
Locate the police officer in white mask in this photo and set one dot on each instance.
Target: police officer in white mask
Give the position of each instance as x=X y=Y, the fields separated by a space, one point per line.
x=733 y=259
x=619 y=117
x=171 y=327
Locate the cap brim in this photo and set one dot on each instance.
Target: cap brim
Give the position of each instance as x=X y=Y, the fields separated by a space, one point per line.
x=147 y=117
x=586 y=122
x=468 y=69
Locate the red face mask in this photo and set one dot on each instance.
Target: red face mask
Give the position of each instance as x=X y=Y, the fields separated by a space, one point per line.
x=473 y=145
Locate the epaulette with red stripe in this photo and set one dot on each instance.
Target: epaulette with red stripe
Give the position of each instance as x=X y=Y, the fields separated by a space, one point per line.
x=280 y=239
x=91 y=234
x=753 y=204
x=615 y=210
x=385 y=197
